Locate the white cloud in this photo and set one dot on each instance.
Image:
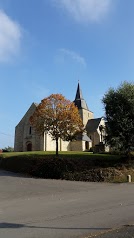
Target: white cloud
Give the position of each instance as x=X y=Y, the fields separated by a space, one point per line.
x=73 y=55
x=85 y=10
x=10 y=37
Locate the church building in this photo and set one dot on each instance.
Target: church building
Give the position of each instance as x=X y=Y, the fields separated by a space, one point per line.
x=26 y=139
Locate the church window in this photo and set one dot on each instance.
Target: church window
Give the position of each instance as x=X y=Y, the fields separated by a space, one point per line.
x=30 y=130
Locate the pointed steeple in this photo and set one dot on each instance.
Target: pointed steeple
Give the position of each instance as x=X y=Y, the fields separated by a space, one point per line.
x=79 y=100
x=78 y=93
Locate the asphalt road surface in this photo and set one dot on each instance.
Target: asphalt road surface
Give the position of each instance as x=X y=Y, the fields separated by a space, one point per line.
x=37 y=208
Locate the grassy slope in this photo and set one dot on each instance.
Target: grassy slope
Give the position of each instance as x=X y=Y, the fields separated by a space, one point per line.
x=66 y=154
x=44 y=153
x=70 y=165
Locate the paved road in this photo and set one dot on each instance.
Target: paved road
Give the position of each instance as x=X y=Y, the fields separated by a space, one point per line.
x=123 y=232
x=37 y=208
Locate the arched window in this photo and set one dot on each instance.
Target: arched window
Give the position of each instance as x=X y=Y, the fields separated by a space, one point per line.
x=29 y=146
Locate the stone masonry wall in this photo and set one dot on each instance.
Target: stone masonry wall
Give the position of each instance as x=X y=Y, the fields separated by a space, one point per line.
x=18 y=143
x=22 y=135
x=86 y=115
x=76 y=146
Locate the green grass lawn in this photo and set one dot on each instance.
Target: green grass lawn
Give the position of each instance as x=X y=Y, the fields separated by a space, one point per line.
x=66 y=154
x=31 y=153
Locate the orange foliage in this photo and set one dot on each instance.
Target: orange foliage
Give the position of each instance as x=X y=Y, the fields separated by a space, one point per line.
x=57 y=116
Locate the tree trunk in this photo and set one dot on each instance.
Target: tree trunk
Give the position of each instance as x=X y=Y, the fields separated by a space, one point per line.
x=57 y=146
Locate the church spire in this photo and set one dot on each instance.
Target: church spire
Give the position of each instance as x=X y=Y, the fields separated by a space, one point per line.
x=79 y=101
x=78 y=93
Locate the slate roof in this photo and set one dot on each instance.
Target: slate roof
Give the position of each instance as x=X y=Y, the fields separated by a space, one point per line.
x=93 y=124
x=84 y=137
x=79 y=100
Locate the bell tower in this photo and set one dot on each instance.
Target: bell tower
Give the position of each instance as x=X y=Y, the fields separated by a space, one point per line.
x=79 y=101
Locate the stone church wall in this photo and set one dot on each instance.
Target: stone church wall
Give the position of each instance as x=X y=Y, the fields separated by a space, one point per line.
x=18 y=144
x=76 y=146
x=64 y=145
x=34 y=139
x=23 y=135
x=50 y=145
x=86 y=115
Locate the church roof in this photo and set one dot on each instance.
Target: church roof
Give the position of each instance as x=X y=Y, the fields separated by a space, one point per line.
x=28 y=113
x=93 y=124
x=84 y=137
x=79 y=100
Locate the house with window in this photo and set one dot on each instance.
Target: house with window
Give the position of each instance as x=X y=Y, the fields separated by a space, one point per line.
x=26 y=138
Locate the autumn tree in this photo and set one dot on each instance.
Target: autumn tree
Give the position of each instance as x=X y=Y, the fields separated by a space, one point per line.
x=58 y=117
x=119 y=109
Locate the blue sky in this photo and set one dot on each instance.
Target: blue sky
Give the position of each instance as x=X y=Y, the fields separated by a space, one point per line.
x=46 y=46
